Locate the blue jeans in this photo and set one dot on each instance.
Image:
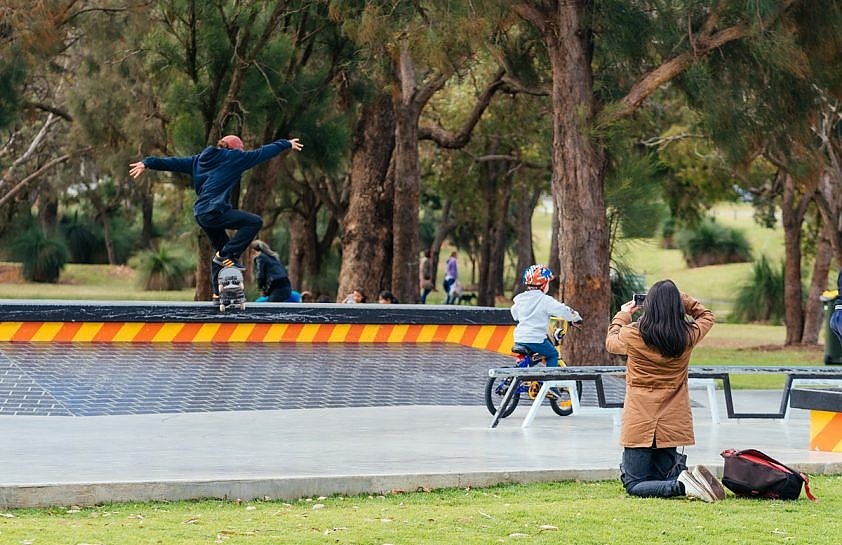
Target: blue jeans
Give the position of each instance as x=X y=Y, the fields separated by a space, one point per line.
x=214 y=225
x=652 y=472
x=546 y=349
x=446 y=285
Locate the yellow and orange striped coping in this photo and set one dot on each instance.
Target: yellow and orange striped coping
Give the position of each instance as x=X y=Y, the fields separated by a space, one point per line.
x=826 y=431
x=495 y=338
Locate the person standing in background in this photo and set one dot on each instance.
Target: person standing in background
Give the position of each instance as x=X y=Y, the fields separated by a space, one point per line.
x=426 y=276
x=450 y=275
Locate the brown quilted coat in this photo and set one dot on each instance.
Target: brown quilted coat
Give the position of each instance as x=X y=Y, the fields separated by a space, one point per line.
x=657 y=404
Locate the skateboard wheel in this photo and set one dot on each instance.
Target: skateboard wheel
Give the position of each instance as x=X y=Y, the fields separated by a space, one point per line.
x=222 y=307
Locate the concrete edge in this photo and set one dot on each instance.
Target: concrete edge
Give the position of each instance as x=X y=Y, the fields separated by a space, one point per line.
x=293 y=488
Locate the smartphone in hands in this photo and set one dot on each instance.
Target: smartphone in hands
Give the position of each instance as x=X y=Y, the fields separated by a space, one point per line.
x=639 y=298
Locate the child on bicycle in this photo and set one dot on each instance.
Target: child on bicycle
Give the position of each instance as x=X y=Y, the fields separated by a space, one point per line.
x=532 y=310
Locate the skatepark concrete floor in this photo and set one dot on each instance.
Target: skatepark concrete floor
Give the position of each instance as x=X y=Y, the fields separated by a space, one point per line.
x=87 y=424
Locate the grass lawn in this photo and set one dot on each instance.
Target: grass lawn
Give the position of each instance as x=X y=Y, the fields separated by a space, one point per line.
x=95 y=282
x=580 y=513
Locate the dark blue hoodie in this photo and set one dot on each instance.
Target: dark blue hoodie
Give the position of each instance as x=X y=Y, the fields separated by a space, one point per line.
x=216 y=171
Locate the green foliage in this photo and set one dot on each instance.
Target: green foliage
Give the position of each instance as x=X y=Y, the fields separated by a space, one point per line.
x=633 y=189
x=624 y=284
x=42 y=255
x=83 y=237
x=163 y=269
x=12 y=73
x=713 y=244
x=761 y=299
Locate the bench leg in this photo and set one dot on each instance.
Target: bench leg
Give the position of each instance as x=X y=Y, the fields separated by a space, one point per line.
x=505 y=401
x=542 y=393
x=712 y=401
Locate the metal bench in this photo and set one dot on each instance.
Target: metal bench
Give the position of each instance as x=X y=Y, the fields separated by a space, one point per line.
x=723 y=373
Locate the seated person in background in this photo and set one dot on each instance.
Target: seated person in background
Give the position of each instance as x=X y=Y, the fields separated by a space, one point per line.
x=270 y=273
x=386 y=297
x=356 y=296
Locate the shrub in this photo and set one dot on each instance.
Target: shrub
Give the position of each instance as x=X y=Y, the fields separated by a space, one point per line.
x=43 y=255
x=165 y=268
x=761 y=299
x=83 y=237
x=624 y=284
x=713 y=244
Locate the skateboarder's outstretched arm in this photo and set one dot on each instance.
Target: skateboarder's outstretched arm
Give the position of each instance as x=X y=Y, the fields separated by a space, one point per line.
x=169 y=164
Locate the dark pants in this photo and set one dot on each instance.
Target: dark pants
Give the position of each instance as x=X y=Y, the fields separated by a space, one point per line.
x=279 y=291
x=214 y=225
x=652 y=472
x=446 y=285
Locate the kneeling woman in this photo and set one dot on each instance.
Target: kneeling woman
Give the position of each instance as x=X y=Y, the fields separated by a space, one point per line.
x=656 y=414
x=270 y=273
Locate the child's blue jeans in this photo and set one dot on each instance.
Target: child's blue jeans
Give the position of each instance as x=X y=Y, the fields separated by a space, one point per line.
x=546 y=349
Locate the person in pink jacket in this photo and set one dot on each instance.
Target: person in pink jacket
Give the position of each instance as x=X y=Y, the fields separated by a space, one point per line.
x=656 y=411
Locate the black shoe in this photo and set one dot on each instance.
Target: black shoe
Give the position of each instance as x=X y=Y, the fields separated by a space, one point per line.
x=228 y=262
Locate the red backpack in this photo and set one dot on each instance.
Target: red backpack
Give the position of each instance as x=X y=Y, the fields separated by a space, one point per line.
x=751 y=473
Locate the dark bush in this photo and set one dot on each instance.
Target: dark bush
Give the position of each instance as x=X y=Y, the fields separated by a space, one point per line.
x=761 y=299
x=162 y=269
x=713 y=244
x=42 y=255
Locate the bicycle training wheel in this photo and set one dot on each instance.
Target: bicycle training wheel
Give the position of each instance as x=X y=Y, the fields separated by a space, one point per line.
x=562 y=406
x=495 y=389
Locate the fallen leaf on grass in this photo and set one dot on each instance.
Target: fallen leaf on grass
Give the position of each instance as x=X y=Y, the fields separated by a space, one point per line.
x=548 y=527
x=518 y=534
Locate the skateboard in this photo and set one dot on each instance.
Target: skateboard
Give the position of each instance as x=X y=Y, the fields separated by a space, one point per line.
x=231 y=291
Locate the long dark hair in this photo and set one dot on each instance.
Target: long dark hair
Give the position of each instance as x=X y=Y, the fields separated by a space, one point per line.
x=663 y=325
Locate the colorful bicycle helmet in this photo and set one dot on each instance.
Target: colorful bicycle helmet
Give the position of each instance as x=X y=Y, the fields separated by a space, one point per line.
x=536 y=276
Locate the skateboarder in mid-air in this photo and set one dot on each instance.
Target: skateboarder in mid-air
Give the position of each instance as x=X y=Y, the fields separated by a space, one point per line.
x=215 y=172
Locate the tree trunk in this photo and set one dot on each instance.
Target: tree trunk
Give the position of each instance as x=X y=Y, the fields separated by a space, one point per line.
x=814 y=308
x=792 y=217
x=524 y=210
x=204 y=290
x=496 y=189
x=446 y=225
x=300 y=240
x=367 y=239
x=407 y=203
x=578 y=186
x=147 y=206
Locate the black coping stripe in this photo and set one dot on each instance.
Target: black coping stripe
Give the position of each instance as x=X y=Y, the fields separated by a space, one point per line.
x=826 y=399
x=324 y=313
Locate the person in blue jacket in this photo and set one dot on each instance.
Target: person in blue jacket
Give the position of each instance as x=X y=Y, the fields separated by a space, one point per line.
x=215 y=171
x=271 y=275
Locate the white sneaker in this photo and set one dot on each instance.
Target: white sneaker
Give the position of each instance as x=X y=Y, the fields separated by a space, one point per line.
x=693 y=488
x=709 y=481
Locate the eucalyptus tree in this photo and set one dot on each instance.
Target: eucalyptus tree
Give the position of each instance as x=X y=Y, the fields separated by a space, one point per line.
x=763 y=105
x=495 y=181
x=414 y=48
x=34 y=75
x=606 y=59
